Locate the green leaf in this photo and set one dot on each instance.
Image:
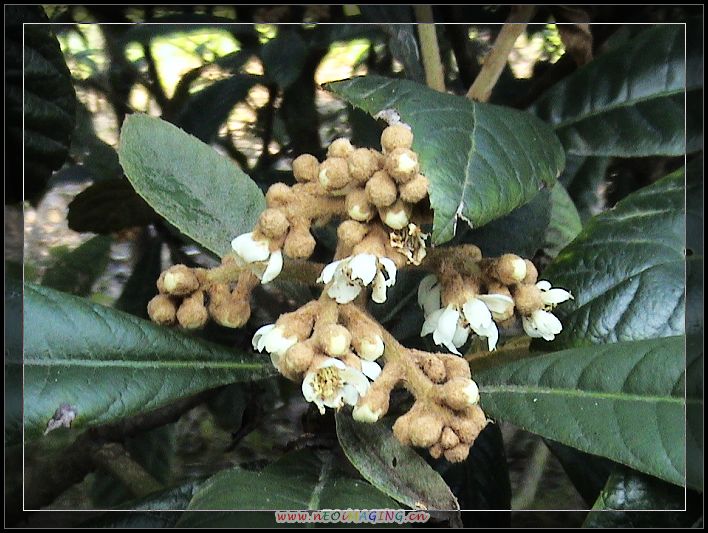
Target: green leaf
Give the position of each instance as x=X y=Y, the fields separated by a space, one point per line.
x=40 y=98
x=482 y=160
x=628 y=493
x=565 y=223
x=109 y=206
x=629 y=102
x=303 y=480
x=13 y=361
x=393 y=468
x=626 y=270
x=106 y=364
x=624 y=401
x=583 y=178
x=76 y=271
x=521 y=232
x=203 y=194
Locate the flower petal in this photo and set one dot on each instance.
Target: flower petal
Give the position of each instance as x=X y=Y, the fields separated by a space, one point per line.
x=249 y=249
x=477 y=314
x=275 y=265
x=497 y=303
x=370 y=369
x=342 y=291
x=363 y=267
x=258 y=342
x=431 y=322
x=555 y=296
x=355 y=378
x=328 y=272
x=547 y=324
x=379 y=293
x=447 y=325
x=390 y=268
x=543 y=285
x=461 y=335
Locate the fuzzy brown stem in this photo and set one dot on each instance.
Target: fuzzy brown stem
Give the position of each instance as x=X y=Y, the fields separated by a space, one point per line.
x=434 y=74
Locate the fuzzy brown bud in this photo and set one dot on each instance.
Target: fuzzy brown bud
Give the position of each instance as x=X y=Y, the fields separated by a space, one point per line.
x=279 y=195
x=178 y=280
x=401 y=429
x=372 y=407
x=358 y=206
x=510 y=269
x=299 y=244
x=340 y=148
x=273 y=223
x=351 y=232
x=434 y=368
x=449 y=438
x=396 y=136
x=457 y=454
x=435 y=451
x=531 y=273
x=306 y=168
x=396 y=216
x=415 y=190
x=162 y=310
x=381 y=189
x=362 y=162
x=425 y=431
x=225 y=309
x=456 y=366
x=460 y=393
x=402 y=165
x=527 y=299
x=334 y=339
x=334 y=174
x=192 y=314
x=469 y=427
x=297 y=359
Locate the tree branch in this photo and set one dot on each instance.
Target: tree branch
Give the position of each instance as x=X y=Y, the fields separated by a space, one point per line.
x=496 y=60
x=434 y=75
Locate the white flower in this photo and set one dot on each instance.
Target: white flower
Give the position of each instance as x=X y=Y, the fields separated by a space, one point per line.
x=429 y=292
x=333 y=384
x=542 y=324
x=345 y=278
x=272 y=339
x=550 y=296
x=480 y=320
x=252 y=251
x=445 y=326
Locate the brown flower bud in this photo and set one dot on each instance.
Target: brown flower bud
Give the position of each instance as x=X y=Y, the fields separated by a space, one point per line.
x=358 y=206
x=434 y=368
x=510 y=269
x=226 y=309
x=340 y=148
x=455 y=366
x=191 y=313
x=402 y=165
x=527 y=299
x=162 y=310
x=396 y=216
x=297 y=359
x=279 y=195
x=381 y=189
x=469 y=427
x=299 y=244
x=425 y=431
x=334 y=339
x=351 y=232
x=273 y=223
x=178 y=280
x=362 y=162
x=401 y=429
x=306 y=168
x=449 y=439
x=334 y=174
x=435 y=451
x=457 y=454
x=396 y=136
x=415 y=190
x=460 y=393
x=371 y=407
x=531 y=273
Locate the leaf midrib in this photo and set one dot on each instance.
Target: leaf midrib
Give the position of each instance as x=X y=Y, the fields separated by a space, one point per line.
x=575 y=393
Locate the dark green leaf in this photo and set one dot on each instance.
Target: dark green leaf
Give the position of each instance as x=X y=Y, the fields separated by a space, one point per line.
x=106 y=364
x=205 y=111
x=203 y=194
x=76 y=271
x=694 y=411
x=627 y=493
x=482 y=160
x=583 y=178
x=393 y=468
x=109 y=206
x=13 y=361
x=284 y=57
x=39 y=99
x=302 y=480
x=629 y=102
x=626 y=270
x=624 y=401
x=565 y=223
x=521 y=232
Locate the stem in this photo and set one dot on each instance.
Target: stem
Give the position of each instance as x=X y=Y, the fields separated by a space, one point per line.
x=115 y=460
x=434 y=75
x=497 y=58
